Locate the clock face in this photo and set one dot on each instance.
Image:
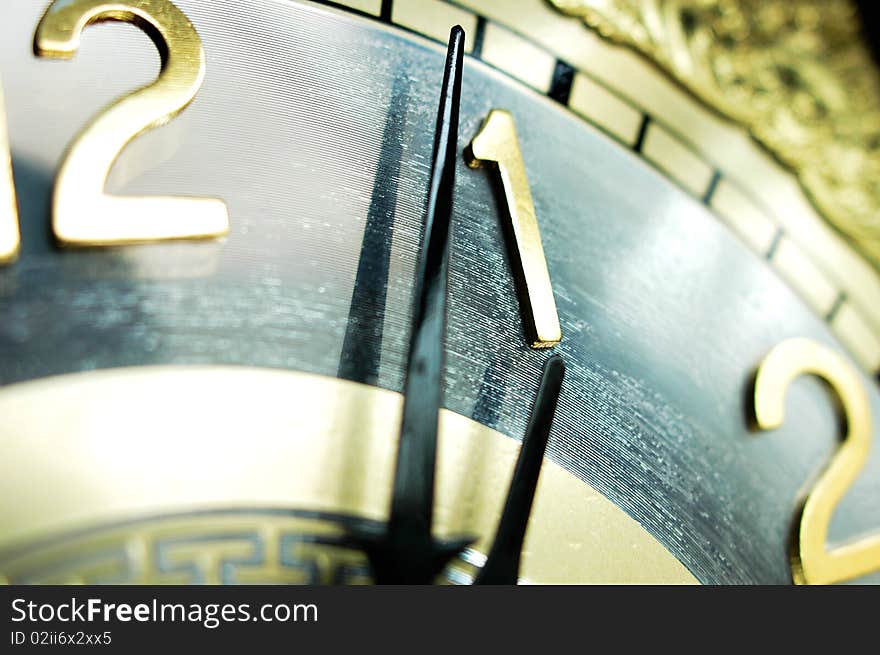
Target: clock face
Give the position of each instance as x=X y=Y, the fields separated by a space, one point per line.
x=215 y=328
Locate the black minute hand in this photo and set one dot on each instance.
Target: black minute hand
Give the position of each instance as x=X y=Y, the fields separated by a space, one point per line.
x=502 y=564
x=408 y=553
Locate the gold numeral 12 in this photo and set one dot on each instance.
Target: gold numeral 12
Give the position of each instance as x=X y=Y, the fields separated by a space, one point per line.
x=82 y=213
x=10 y=238
x=811 y=561
x=497 y=145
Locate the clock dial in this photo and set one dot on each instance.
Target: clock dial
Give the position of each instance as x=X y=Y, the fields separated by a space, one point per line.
x=160 y=395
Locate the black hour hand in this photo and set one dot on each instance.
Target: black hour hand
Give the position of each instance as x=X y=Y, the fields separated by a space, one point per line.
x=502 y=564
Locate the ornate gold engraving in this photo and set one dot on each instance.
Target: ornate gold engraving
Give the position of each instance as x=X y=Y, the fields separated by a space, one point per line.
x=797 y=75
x=811 y=562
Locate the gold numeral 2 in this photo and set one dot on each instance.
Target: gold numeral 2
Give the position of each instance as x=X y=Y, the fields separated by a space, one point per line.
x=82 y=213
x=10 y=237
x=496 y=144
x=811 y=563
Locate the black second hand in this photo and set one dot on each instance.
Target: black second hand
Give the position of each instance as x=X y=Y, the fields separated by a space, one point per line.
x=502 y=563
x=408 y=553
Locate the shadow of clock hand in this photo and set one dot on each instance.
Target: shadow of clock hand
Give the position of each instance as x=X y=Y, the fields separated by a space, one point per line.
x=502 y=564
x=407 y=552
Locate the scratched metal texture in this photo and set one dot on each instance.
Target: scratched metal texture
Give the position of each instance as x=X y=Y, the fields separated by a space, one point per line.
x=317 y=128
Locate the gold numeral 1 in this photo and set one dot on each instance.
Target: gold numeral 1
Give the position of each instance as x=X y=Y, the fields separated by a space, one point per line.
x=496 y=144
x=10 y=237
x=82 y=214
x=811 y=562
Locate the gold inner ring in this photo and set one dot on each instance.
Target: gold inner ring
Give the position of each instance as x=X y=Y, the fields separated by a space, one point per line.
x=93 y=448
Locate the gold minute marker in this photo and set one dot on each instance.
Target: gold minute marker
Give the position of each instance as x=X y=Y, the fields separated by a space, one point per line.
x=10 y=237
x=496 y=145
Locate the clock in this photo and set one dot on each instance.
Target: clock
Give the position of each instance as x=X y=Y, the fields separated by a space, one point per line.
x=412 y=292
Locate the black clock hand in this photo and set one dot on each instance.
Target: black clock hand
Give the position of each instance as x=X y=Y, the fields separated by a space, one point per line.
x=502 y=564
x=407 y=553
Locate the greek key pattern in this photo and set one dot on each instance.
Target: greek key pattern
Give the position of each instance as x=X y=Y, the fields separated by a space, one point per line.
x=211 y=547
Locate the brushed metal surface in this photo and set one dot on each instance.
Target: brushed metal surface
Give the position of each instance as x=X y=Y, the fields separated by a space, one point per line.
x=316 y=128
